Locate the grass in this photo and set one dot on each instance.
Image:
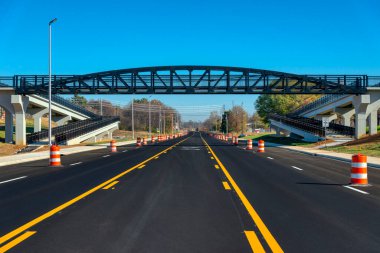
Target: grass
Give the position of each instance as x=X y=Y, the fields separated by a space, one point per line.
x=371 y=149
x=269 y=137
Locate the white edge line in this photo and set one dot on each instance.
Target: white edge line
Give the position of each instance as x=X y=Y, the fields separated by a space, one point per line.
x=106 y=155
x=13 y=179
x=124 y=151
x=75 y=163
x=354 y=189
x=270 y=158
x=296 y=168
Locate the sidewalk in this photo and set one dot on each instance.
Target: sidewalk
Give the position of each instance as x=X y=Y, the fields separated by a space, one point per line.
x=39 y=155
x=371 y=161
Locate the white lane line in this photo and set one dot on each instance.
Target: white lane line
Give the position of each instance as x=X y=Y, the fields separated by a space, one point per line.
x=13 y=179
x=75 y=163
x=294 y=167
x=270 y=157
x=106 y=155
x=354 y=189
x=124 y=151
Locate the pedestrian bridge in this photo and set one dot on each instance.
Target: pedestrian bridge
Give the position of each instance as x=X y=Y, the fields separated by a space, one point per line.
x=191 y=79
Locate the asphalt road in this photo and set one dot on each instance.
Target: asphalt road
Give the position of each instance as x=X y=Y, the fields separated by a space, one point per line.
x=191 y=194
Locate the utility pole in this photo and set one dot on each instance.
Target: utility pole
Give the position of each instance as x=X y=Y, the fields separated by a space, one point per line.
x=164 y=123
x=133 y=123
x=50 y=23
x=101 y=107
x=172 y=125
x=159 y=122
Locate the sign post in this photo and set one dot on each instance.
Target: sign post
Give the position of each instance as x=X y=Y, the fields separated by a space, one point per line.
x=325 y=125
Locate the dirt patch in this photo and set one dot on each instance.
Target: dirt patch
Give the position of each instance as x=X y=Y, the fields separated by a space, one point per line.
x=9 y=149
x=366 y=140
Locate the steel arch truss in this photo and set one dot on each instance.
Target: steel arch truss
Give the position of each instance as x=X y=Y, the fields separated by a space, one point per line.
x=193 y=80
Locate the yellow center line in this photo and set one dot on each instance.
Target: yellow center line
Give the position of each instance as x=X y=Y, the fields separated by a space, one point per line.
x=142 y=166
x=156 y=157
x=50 y=213
x=254 y=242
x=212 y=158
x=16 y=241
x=110 y=185
x=226 y=185
x=216 y=166
x=273 y=244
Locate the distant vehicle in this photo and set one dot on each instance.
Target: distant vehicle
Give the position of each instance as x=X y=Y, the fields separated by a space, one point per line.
x=257 y=130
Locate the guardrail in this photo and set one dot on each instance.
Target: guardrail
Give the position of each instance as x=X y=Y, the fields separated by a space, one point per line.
x=333 y=127
x=64 y=137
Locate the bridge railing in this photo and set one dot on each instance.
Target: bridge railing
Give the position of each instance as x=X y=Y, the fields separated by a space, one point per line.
x=332 y=129
x=44 y=134
x=69 y=104
x=317 y=103
x=62 y=138
x=305 y=126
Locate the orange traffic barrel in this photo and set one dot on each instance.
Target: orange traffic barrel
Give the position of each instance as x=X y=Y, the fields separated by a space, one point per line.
x=55 y=156
x=261 y=146
x=152 y=138
x=145 y=141
x=359 y=170
x=138 y=141
x=249 y=145
x=236 y=140
x=113 y=146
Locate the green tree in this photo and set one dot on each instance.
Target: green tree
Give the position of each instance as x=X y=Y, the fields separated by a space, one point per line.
x=280 y=104
x=79 y=100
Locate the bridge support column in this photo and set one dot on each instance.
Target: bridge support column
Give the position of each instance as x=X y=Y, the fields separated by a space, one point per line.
x=346 y=114
x=61 y=120
x=8 y=127
x=20 y=103
x=361 y=103
x=330 y=117
x=372 y=122
x=37 y=115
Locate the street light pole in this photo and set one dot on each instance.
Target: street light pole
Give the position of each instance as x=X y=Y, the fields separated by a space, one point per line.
x=50 y=23
x=150 y=124
x=133 y=123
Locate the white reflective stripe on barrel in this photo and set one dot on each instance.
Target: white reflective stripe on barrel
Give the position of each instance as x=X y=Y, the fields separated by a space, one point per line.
x=54 y=152
x=55 y=159
x=359 y=165
x=359 y=175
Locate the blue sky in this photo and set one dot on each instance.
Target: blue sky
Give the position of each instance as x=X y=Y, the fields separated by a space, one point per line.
x=316 y=37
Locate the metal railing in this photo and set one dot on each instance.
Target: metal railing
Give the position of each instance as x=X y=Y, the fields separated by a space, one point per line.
x=317 y=103
x=333 y=127
x=304 y=126
x=39 y=136
x=69 y=104
x=62 y=138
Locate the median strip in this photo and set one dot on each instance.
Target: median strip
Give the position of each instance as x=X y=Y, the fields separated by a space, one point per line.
x=271 y=241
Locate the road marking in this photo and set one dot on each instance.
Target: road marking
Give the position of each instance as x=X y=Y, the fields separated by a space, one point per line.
x=156 y=157
x=270 y=157
x=296 y=168
x=164 y=152
x=110 y=185
x=226 y=185
x=212 y=158
x=142 y=166
x=124 y=151
x=216 y=166
x=354 y=189
x=50 y=213
x=106 y=155
x=254 y=242
x=13 y=179
x=75 y=163
x=273 y=244
x=16 y=241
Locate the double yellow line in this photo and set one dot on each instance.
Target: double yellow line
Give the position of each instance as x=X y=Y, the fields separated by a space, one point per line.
x=43 y=217
x=252 y=238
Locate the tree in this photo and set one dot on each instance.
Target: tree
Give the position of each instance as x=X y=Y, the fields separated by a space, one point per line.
x=237 y=120
x=79 y=100
x=213 y=122
x=280 y=104
x=257 y=121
